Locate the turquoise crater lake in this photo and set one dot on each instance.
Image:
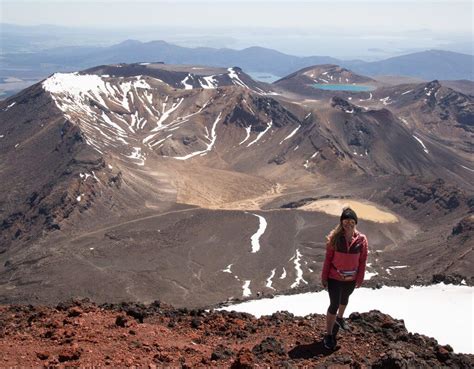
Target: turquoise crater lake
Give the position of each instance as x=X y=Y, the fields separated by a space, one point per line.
x=342 y=87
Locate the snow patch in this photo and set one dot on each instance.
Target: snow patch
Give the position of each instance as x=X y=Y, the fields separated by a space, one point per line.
x=247 y=129
x=227 y=270
x=256 y=236
x=261 y=133
x=137 y=155
x=269 y=280
x=187 y=86
x=448 y=306
x=292 y=133
x=299 y=271
x=422 y=144
x=9 y=106
x=212 y=140
x=233 y=75
x=370 y=97
x=211 y=83
x=246 y=289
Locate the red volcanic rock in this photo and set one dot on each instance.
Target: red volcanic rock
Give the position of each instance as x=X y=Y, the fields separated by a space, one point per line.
x=42 y=355
x=74 y=311
x=41 y=336
x=70 y=354
x=245 y=360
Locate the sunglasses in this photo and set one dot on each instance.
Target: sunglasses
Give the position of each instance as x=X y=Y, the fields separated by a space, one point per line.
x=349 y=222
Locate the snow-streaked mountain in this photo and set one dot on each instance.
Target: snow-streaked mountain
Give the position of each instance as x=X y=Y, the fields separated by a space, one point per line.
x=196 y=184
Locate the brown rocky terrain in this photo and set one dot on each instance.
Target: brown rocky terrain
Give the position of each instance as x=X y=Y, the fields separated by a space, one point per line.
x=81 y=334
x=150 y=181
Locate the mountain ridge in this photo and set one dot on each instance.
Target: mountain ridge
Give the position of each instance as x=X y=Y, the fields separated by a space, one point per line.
x=427 y=65
x=187 y=172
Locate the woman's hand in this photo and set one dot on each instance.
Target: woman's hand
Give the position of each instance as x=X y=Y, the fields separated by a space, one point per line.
x=324 y=283
x=358 y=285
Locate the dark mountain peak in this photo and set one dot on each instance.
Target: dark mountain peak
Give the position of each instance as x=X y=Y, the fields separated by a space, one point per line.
x=322 y=74
x=433 y=84
x=438 y=108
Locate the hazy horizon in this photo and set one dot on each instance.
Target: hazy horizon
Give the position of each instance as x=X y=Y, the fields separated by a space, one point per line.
x=385 y=15
x=354 y=29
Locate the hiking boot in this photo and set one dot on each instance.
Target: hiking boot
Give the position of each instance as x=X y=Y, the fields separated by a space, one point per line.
x=329 y=342
x=342 y=324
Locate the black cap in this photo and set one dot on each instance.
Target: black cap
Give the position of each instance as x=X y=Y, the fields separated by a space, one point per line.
x=348 y=213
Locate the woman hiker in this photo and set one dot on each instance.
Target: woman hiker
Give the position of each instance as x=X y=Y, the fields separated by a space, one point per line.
x=343 y=270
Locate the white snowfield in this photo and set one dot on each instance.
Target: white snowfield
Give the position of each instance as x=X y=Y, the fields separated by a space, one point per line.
x=75 y=94
x=444 y=312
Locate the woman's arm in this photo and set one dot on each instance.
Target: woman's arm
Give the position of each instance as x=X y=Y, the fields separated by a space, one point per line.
x=327 y=264
x=362 y=263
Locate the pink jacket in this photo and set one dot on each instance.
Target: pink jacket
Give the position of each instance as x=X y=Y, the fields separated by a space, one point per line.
x=351 y=262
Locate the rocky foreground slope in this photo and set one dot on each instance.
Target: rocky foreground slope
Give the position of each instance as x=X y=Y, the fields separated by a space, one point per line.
x=80 y=333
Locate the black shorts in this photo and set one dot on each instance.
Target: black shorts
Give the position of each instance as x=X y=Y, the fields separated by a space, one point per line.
x=339 y=292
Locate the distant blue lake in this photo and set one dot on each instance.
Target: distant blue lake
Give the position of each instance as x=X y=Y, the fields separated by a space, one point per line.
x=342 y=87
x=263 y=76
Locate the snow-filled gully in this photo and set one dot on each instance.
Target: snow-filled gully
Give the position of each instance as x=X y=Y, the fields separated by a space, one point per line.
x=255 y=239
x=299 y=272
x=212 y=139
x=260 y=135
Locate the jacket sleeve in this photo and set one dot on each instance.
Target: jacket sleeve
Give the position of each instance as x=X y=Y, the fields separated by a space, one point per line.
x=362 y=263
x=327 y=262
